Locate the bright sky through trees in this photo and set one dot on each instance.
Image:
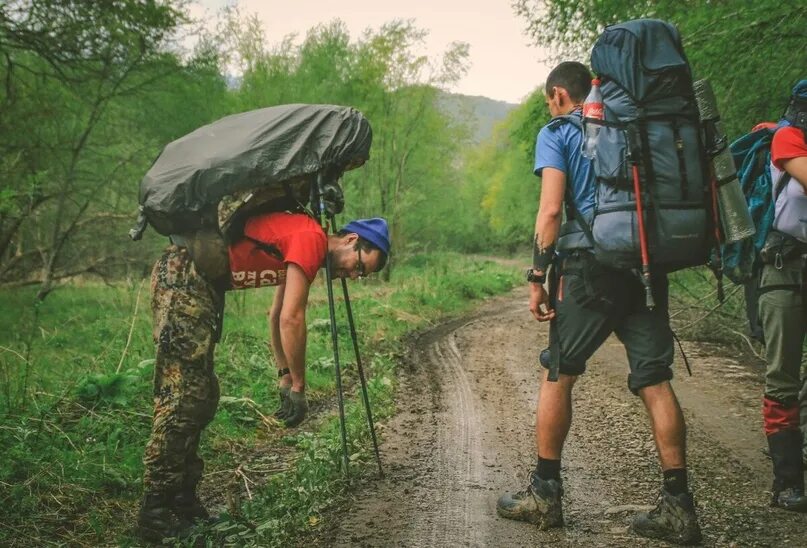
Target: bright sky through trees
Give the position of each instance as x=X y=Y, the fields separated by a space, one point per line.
x=503 y=66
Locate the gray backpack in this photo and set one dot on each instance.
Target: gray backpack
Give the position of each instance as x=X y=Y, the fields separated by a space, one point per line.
x=249 y=163
x=651 y=123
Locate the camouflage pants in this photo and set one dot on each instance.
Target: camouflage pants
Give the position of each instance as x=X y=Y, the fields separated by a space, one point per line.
x=186 y=312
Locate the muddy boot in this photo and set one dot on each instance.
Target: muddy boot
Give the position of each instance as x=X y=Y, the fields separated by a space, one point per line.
x=298 y=409
x=673 y=520
x=539 y=503
x=285 y=403
x=158 y=520
x=788 y=471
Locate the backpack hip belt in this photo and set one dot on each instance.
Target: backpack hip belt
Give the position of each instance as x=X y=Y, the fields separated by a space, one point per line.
x=780 y=248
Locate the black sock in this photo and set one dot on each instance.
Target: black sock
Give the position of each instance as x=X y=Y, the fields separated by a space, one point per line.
x=548 y=469
x=675 y=481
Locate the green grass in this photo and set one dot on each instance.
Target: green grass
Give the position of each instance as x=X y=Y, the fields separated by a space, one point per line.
x=75 y=405
x=697 y=314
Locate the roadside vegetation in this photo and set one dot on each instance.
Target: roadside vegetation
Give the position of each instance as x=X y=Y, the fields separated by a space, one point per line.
x=75 y=391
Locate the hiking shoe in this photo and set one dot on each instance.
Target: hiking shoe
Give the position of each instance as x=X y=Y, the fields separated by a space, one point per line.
x=539 y=503
x=285 y=404
x=298 y=409
x=158 y=520
x=792 y=499
x=673 y=520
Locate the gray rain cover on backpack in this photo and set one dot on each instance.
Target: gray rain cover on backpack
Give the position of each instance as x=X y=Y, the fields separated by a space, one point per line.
x=262 y=148
x=650 y=110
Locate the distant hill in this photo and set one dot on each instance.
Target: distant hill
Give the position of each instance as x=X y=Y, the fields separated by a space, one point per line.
x=481 y=113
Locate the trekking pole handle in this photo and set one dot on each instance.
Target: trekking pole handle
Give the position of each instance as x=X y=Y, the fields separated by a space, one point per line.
x=649 y=301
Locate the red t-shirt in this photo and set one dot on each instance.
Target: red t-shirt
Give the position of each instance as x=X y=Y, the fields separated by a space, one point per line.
x=788 y=143
x=297 y=238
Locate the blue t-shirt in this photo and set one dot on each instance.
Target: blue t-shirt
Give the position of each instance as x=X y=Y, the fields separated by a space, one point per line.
x=559 y=146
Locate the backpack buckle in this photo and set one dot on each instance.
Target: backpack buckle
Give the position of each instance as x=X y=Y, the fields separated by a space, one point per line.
x=778 y=261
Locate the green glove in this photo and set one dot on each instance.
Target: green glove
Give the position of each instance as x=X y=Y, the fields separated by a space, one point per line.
x=298 y=409
x=285 y=403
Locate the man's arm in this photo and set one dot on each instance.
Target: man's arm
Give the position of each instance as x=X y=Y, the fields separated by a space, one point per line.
x=547 y=228
x=797 y=168
x=291 y=324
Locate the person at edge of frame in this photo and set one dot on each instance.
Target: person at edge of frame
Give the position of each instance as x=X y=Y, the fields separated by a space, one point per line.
x=592 y=301
x=781 y=306
x=283 y=249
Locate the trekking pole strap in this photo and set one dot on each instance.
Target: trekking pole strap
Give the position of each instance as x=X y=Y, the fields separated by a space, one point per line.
x=681 y=349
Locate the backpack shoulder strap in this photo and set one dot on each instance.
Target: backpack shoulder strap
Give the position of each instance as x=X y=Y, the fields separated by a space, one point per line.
x=779 y=186
x=577 y=121
x=784 y=177
x=558 y=121
x=266 y=248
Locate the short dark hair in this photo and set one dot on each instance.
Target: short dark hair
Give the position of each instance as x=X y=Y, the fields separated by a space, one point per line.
x=367 y=246
x=572 y=76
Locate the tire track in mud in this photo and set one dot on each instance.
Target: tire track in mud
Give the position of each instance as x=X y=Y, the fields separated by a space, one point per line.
x=459 y=463
x=464 y=435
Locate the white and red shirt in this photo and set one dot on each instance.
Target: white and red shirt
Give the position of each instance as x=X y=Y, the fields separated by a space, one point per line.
x=790 y=214
x=292 y=238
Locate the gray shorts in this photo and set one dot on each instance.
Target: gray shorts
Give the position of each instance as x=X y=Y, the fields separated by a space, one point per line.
x=594 y=301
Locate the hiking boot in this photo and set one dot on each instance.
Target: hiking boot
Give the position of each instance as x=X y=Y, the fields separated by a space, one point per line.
x=539 y=503
x=158 y=520
x=298 y=409
x=788 y=470
x=188 y=506
x=792 y=499
x=285 y=404
x=673 y=520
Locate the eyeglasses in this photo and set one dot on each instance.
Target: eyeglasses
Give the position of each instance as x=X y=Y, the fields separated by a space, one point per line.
x=361 y=270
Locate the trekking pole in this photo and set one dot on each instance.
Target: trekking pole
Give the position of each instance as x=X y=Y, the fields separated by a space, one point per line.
x=334 y=336
x=362 y=378
x=637 y=191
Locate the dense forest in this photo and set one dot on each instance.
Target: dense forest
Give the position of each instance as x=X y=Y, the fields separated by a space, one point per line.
x=91 y=95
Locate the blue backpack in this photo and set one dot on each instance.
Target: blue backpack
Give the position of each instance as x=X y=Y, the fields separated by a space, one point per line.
x=752 y=158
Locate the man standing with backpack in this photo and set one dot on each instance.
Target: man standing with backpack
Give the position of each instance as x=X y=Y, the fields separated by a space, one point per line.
x=588 y=301
x=782 y=303
x=188 y=282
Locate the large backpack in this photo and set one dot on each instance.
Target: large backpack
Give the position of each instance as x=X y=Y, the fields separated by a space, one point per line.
x=752 y=158
x=652 y=122
x=248 y=163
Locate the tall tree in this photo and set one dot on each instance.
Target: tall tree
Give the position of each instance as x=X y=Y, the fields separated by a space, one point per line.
x=751 y=50
x=499 y=174
x=69 y=66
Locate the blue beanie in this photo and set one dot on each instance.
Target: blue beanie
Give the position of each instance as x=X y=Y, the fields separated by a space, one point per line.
x=373 y=230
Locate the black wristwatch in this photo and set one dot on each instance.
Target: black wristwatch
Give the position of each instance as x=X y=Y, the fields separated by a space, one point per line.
x=533 y=277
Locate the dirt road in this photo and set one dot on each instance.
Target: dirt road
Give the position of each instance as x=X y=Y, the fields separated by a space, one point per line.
x=464 y=435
